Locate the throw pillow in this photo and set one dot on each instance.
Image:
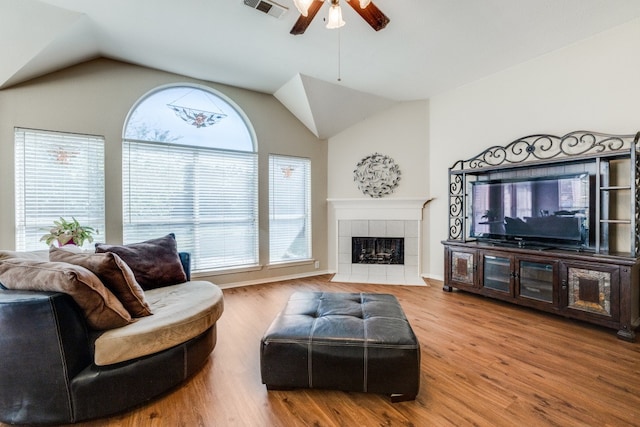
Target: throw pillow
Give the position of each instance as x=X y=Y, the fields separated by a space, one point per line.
x=100 y=307
x=113 y=272
x=155 y=263
x=40 y=255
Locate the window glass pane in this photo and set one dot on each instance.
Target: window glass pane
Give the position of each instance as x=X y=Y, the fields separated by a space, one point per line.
x=208 y=198
x=289 y=208
x=189 y=116
x=57 y=175
x=193 y=177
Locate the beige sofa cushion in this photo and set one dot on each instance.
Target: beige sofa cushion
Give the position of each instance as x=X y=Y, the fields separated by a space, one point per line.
x=180 y=312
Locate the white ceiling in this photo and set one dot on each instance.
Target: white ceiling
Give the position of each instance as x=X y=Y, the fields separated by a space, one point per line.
x=430 y=46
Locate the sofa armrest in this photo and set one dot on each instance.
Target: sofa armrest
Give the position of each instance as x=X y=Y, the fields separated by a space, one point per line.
x=185 y=259
x=43 y=344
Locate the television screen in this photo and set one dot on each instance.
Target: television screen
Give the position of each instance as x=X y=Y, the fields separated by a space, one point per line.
x=548 y=209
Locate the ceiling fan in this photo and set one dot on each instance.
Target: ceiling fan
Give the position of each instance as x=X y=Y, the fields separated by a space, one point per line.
x=365 y=8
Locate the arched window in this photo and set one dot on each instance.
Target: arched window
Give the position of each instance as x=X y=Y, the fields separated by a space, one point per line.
x=190 y=168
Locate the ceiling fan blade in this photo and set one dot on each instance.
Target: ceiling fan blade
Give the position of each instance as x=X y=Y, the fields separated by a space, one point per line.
x=371 y=14
x=303 y=21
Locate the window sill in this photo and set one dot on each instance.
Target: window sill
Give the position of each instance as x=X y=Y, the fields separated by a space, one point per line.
x=221 y=271
x=295 y=263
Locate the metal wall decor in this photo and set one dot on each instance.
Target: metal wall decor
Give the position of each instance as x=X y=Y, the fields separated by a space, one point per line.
x=377 y=175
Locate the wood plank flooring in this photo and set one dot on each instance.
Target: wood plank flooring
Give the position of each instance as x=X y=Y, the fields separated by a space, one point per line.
x=484 y=363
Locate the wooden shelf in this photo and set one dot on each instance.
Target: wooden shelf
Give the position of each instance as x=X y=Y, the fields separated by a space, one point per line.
x=615 y=221
x=616 y=187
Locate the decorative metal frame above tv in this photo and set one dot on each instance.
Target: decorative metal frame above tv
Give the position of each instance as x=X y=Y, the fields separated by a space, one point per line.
x=538 y=151
x=545 y=148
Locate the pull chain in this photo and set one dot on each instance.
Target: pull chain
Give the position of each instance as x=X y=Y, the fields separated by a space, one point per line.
x=339 y=55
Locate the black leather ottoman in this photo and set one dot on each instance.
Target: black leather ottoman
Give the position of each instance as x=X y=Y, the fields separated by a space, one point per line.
x=342 y=341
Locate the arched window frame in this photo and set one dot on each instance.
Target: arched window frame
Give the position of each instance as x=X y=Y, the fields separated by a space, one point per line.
x=213 y=210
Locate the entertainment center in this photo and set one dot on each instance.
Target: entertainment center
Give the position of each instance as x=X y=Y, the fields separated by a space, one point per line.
x=552 y=223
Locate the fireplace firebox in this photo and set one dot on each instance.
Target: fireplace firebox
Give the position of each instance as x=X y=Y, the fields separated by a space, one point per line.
x=377 y=250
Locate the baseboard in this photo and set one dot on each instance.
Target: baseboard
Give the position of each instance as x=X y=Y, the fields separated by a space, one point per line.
x=433 y=277
x=272 y=279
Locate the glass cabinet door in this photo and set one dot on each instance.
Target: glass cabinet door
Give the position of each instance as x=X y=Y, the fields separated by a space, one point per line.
x=536 y=280
x=497 y=273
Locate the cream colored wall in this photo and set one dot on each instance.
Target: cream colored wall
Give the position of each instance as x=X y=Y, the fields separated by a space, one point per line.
x=95 y=98
x=402 y=133
x=591 y=85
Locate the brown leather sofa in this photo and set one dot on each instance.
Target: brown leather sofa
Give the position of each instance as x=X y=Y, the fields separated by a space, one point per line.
x=47 y=369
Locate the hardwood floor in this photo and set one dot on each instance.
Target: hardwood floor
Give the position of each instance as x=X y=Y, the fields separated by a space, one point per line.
x=484 y=363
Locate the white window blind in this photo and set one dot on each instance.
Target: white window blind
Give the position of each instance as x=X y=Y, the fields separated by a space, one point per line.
x=207 y=197
x=289 y=208
x=57 y=175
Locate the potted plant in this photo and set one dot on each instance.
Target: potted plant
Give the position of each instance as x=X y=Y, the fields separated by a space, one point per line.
x=68 y=233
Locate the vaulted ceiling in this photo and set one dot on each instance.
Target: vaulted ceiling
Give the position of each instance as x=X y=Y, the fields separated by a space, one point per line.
x=430 y=46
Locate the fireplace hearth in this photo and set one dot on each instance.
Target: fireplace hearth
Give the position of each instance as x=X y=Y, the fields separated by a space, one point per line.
x=377 y=250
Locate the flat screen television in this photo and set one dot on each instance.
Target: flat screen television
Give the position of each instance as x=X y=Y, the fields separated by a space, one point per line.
x=550 y=210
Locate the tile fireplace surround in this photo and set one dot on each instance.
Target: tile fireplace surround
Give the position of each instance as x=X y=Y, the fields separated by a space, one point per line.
x=378 y=218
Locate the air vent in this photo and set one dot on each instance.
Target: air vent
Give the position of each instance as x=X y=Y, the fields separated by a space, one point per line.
x=269 y=7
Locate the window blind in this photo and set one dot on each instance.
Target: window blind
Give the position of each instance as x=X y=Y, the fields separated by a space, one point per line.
x=289 y=208
x=57 y=175
x=207 y=197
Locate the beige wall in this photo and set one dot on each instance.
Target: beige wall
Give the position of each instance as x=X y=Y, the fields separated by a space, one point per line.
x=591 y=85
x=95 y=98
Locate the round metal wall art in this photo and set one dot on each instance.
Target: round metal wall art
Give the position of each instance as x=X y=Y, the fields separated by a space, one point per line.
x=377 y=175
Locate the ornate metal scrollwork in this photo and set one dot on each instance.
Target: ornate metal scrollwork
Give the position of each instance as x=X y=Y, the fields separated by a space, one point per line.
x=456 y=207
x=546 y=147
x=455 y=229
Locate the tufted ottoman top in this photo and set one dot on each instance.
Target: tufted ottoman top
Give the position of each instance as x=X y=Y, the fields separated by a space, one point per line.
x=374 y=319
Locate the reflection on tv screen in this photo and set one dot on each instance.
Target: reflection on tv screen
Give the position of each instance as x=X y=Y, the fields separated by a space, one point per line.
x=549 y=209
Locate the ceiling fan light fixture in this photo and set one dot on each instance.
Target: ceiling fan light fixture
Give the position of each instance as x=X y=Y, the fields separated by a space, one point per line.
x=303 y=6
x=335 y=16
x=364 y=3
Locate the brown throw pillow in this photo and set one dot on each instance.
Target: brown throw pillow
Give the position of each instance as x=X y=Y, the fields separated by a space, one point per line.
x=100 y=307
x=39 y=255
x=155 y=263
x=113 y=272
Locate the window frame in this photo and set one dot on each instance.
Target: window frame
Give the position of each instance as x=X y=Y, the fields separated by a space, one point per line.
x=28 y=173
x=306 y=208
x=190 y=243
